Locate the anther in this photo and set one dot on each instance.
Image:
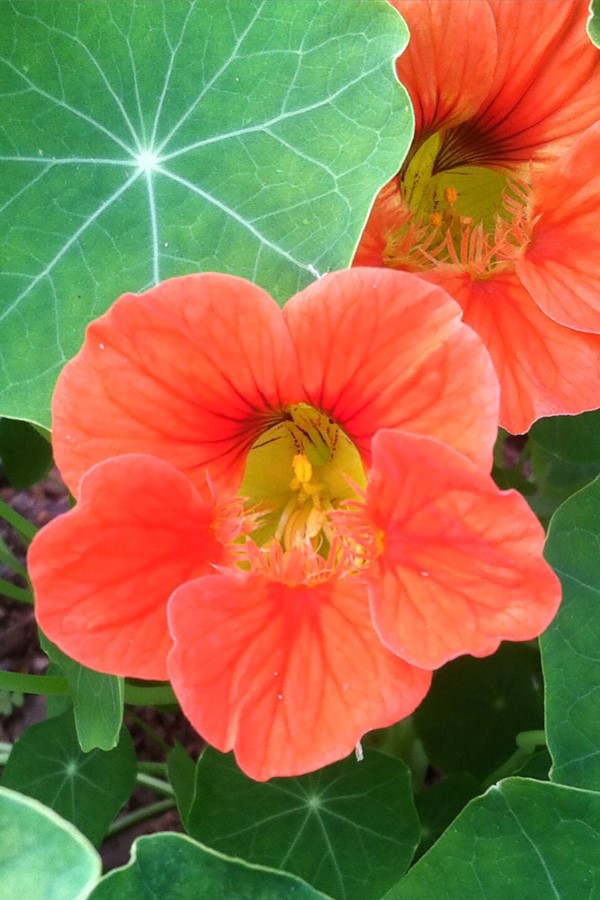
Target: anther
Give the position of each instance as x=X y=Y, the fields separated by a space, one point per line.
x=450 y=195
x=302 y=467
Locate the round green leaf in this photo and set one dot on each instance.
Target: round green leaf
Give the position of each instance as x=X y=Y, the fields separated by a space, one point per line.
x=25 y=455
x=476 y=707
x=350 y=829
x=178 y=868
x=440 y=803
x=529 y=839
x=571 y=646
x=143 y=140
x=88 y=789
x=42 y=857
x=574 y=439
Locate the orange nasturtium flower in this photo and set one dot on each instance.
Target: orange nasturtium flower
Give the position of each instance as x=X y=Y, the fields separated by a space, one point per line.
x=499 y=198
x=286 y=512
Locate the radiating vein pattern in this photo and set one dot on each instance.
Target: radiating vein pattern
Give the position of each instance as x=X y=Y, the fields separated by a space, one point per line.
x=139 y=141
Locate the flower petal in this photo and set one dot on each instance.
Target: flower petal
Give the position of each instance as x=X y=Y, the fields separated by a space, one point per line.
x=104 y=571
x=449 y=63
x=290 y=677
x=545 y=369
x=462 y=566
x=561 y=267
x=378 y=348
x=186 y=372
x=546 y=86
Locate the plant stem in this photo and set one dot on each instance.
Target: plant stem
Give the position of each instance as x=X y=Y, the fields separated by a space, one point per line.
x=159 y=695
x=527 y=744
x=23 y=595
x=155 y=784
x=11 y=561
x=33 y=684
x=150 y=767
x=21 y=525
x=140 y=815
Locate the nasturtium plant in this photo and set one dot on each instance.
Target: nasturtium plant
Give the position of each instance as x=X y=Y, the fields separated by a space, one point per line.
x=529 y=838
x=177 y=868
x=88 y=789
x=593 y=25
x=350 y=829
x=281 y=282
x=570 y=649
x=97 y=700
x=42 y=856
x=142 y=140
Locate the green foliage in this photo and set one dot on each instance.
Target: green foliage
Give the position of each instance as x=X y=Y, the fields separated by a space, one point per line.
x=593 y=26
x=97 y=701
x=178 y=868
x=531 y=839
x=244 y=137
x=440 y=803
x=349 y=829
x=88 y=789
x=570 y=647
x=181 y=771
x=42 y=857
x=476 y=707
x=25 y=454
x=565 y=455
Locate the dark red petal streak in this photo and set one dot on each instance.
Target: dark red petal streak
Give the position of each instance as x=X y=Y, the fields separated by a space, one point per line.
x=546 y=86
x=104 y=571
x=290 y=678
x=462 y=566
x=449 y=63
x=383 y=349
x=186 y=372
x=561 y=267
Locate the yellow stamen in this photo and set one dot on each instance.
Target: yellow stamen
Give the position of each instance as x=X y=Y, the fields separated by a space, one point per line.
x=302 y=467
x=450 y=195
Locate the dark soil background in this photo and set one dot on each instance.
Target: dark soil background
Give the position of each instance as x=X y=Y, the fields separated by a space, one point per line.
x=20 y=652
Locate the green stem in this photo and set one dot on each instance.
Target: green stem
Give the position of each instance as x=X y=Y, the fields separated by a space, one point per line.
x=160 y=695
x=140 y=815
x=11 y=561
x=52 y=684
x=34 y=684
x=20 y=524
x=23 y=595
x=155 y=784
x=150 y=767
x=527 y=744
x=531 y=740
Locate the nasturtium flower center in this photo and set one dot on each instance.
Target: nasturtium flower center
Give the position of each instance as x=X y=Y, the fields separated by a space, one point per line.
x=298 y=471
x=458 y=211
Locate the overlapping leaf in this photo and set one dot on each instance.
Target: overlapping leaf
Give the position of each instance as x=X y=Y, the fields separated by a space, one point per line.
x=174 y=867
x=528 y=839
x=349 y=829
x=88 y=789
x=570 y=647
x=143 y=140
x=42 y=857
